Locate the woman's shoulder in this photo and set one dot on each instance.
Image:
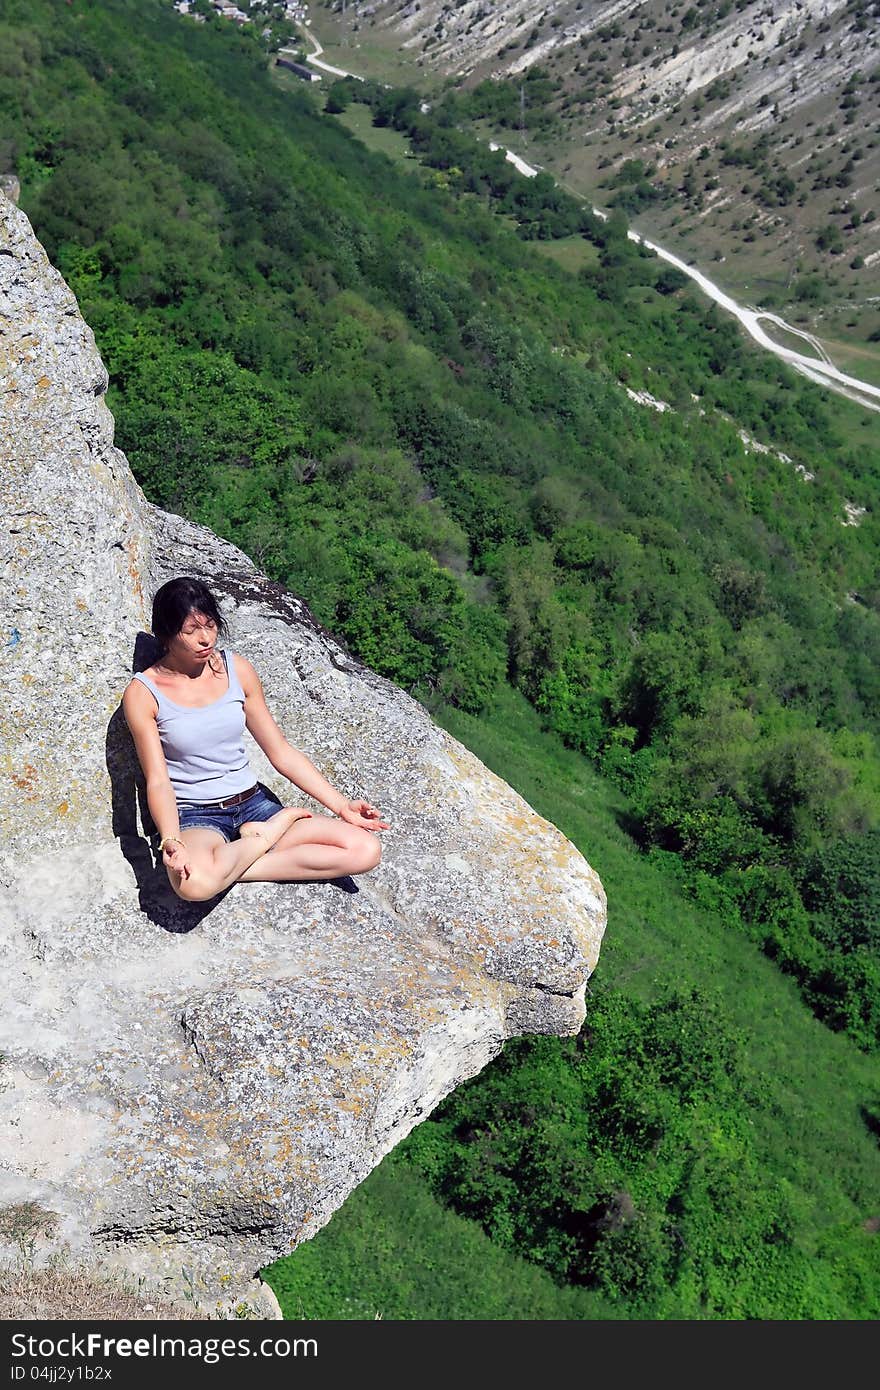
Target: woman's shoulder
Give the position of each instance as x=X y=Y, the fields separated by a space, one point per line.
x=142 y=680
x=137 y=695
x=136 y=683
x=243 y=668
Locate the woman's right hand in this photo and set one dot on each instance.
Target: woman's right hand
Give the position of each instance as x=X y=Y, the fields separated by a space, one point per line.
x=176 y=858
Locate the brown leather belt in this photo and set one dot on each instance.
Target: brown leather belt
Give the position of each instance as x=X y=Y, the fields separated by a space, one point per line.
x=230 y=800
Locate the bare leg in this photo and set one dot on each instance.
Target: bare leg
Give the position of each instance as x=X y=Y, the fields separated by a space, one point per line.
x=319 y=848
x=214 y=863
x=272 y=829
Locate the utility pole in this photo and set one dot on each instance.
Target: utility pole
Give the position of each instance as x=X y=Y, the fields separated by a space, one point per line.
x=794 y=258
x=522 y=112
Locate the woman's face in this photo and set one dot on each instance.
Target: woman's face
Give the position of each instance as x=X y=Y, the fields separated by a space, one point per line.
x=196 y=638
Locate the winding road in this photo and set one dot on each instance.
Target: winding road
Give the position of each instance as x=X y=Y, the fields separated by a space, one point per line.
x=819 y=368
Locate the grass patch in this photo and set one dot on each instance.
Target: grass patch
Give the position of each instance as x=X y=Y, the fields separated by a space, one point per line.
x=58 y=1292
x=571 y=252
x=392 y=1252
x=366 y=58
x=792 y=341
x=860 y=361
x=382 y=139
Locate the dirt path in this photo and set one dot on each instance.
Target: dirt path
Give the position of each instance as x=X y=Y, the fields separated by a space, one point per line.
x=315 y=58
x=820 y=369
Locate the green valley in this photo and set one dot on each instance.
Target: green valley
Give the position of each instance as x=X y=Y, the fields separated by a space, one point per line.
x=703 y=1149
x=627 y=559
x=742 y=136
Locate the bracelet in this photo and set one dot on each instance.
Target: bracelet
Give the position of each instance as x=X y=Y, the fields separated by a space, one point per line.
x=164 y=841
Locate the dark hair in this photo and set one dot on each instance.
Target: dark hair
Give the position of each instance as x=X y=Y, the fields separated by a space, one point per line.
x=173 y=603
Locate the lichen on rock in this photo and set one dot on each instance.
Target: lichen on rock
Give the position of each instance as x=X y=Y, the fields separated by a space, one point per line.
x=199 y=1086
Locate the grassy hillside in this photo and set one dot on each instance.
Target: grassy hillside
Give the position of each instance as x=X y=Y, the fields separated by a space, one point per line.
x=394 y=1252
x=742 y=136
x=361 y=370
x=780 y=1224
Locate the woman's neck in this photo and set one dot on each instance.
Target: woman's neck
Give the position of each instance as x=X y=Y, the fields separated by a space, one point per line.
x=191 y=673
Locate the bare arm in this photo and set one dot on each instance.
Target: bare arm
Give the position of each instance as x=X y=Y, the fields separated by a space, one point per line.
x=139 y=708
x=290 y=762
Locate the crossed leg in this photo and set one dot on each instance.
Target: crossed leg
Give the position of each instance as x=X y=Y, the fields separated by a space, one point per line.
x=317 y=847
x=215 y=863
x=314 y=848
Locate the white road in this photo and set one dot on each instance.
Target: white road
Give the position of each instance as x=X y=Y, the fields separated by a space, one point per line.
x=819 y=368
x=315 y=59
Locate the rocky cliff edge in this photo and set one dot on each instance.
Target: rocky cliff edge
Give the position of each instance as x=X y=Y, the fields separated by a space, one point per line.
x=189 y=1091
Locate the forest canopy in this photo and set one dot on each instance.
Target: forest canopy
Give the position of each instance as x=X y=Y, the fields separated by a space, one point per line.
x=365 y=374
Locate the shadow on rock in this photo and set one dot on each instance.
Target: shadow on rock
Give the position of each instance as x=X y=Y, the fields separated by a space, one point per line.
x=133 y=825
x=156 y=898
x=345 y=885
x=134 y=828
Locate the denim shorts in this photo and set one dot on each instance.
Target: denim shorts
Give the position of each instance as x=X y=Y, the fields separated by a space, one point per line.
x=229 y=820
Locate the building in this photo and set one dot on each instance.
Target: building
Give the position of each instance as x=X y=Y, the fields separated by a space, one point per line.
x=300 y=69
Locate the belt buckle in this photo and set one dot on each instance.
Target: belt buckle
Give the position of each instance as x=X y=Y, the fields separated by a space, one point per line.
x=237 y=799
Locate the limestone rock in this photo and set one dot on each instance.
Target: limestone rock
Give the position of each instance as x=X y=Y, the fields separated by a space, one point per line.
x=199 y=1087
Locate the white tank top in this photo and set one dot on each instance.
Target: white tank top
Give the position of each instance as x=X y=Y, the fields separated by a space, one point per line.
x=204 y=748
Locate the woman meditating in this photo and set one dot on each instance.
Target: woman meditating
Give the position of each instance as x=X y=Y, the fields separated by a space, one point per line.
x=187 y=714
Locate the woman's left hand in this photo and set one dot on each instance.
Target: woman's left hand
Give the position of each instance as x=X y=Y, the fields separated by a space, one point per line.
x=364 y=814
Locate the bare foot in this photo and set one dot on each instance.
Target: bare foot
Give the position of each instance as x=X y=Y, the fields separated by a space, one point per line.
x=272 y=829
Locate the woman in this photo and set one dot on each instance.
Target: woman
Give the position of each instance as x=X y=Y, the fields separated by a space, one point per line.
x=187 y=714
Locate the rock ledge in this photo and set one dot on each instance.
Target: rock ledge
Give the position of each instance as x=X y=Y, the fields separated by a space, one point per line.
x=187 y=1092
